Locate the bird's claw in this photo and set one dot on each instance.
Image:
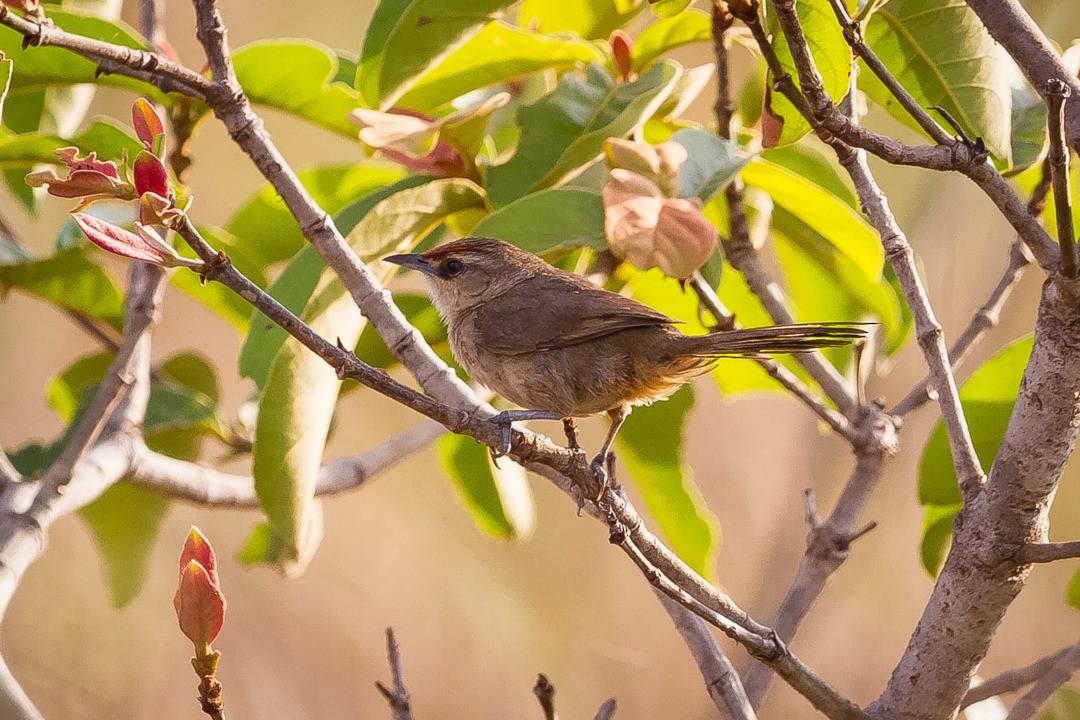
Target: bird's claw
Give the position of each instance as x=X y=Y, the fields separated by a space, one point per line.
x=505 y=424
x=600 y=466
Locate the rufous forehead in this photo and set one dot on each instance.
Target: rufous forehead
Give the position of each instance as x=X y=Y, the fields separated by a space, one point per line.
x=467 y=245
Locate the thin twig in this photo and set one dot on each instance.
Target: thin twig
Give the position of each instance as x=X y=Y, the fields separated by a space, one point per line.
x=399 y=696
x=545 y=695
x=726 y=321
x=1057 y=93
x=8 y=473
x=1013 y=680
x=1055 y=676
x=607 y=710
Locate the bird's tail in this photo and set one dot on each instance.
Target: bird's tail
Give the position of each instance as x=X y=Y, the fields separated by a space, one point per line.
x=773 y=339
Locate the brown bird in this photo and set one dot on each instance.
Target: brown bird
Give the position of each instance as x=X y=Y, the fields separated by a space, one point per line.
x=561 y=347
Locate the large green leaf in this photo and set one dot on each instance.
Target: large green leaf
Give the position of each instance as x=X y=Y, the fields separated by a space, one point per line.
x=526 y=222
x=408 y=37
x=499 y=52
x=68 y=280
x=669 y=33
x=988 y=397
x=497 y=498
x=223 y=301
x=592 y=19
x=832 y=56
x=941 y=52
x=300 y=77
x=266 y=227
x=650 y=444
x=295 y=285
x=566 y=128
x=301 y=389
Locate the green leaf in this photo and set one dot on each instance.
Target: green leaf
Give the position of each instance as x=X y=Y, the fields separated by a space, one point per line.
x=832 y=56
x=1072 y=595
x=669 y=33
x=941 y=52
x=650 y=444
x=65 y=390
x=125 y=522
x=174 y=406
x=988 y=397
x=711 y=164
x=499 y=52
x=1028 y=138
x=669 y=8
x=192 y=370
x=937 y=530
x=301 y=389
x=526 y=222
x=269 y=231
x=295 y=285
x=223 y=301
x=300 y=78
x=69 y=280
x=497 y=498
x=1064 y=704
x=408 y=37
x=566 y=128
x=420 y=313
x=590 y=19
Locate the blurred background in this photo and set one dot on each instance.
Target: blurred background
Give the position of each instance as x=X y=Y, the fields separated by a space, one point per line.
x=476 y=618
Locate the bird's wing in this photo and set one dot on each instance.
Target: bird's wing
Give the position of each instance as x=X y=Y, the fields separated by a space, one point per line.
x=547 y=312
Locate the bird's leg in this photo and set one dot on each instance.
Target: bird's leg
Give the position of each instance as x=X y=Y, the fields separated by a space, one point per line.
x=507 y=418
x=569 y=426
x=618 y=417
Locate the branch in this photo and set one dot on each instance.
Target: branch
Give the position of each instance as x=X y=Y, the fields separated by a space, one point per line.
x=8 y=474
x=1047 y=552
x=399 y=696
x=1011 y=26
x=607 y=710
x=204 y=485
x=1056 y=675
x=1056 y=94
x=1013 y=680
x=545 y=695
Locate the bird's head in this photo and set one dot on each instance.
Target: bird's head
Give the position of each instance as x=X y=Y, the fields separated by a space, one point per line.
x=468 y=272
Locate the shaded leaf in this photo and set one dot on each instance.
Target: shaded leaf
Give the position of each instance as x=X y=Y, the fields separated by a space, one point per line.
x=420 y=313
x=498 y=499
x=650 y=444
x=69 y=280
x=192 y=370
x=1072 y=594
x=711 y=163
x=937 y=531
x=1064 y=704
x=527 y=221
x=566 y=128
x=499 y=52
x=407 y=37
x=218 y=298
x=942 y=53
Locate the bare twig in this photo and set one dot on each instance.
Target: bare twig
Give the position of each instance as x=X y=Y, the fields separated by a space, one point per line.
x=1057 y=93
x=1047 y=552
x=1013 y=680
x=8 y=473
x=607 y=710
x=726 y=321
x=204 y=485
x=1055 y=676
x=545 y=695
x=399 y=696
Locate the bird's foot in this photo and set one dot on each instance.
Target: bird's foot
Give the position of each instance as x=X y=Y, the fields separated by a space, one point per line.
x=603 y=468
x=505 y=421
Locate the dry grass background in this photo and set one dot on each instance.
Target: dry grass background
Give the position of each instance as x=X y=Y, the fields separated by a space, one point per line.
x=477 y=618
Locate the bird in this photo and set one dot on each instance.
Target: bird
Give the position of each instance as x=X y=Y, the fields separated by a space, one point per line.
x=561 y=348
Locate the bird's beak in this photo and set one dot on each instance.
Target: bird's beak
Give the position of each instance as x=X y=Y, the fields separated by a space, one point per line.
x=413 y=261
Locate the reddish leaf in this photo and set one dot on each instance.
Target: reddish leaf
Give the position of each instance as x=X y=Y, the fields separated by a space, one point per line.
x=150 y=175
x=198 y=548
x=119 y=241
x=622 y=47
x=80 y=183
x=200 y=607
x=70 y=157
x=27 y=5
x=147 y=123
x=684 y=239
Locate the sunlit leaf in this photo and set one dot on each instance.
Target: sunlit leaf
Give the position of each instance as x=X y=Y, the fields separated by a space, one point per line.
x=669 y=33
x=497 y=498
x=499 y=52
x=408 y=37
x=651 y=445
x=590 y=19
x=937 y=531
x=566 y=129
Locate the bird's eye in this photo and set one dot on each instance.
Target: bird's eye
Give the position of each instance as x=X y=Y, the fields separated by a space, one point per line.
x=452 y=267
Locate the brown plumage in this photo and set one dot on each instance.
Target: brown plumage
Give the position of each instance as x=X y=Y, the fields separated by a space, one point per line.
x=554 y=343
